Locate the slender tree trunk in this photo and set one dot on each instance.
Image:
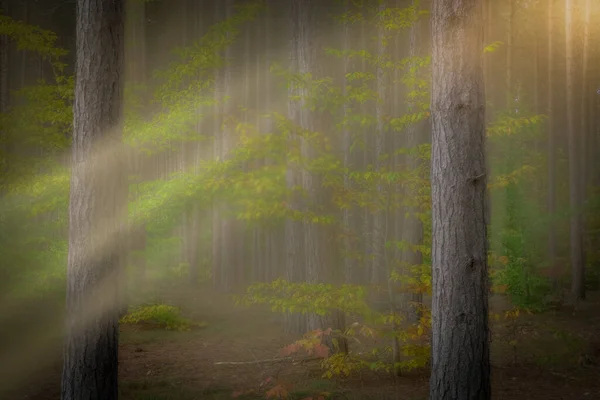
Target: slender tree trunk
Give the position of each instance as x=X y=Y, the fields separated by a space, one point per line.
x=135 y=75
x=460 y=334
x=4 y=63
x=223 y=233
x=294 y=230
x=586 y=133
x=379 y=273
x=4 y=97
x=194 y=212
x=348 y=213
x=98 y=206
x=417 y=134
x=575 y=200
x=509 y=55
x=551 y=151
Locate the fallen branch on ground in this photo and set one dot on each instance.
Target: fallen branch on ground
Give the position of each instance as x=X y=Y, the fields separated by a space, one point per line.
x=271 y=360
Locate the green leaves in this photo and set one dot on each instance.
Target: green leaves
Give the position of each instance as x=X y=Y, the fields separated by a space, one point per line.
x=34 y=39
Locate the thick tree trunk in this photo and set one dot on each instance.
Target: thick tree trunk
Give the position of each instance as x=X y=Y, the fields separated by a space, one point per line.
x=460 y=335
x=98 y=206
x=575 y=192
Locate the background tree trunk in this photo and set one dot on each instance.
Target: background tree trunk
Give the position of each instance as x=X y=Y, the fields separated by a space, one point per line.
x=574 y=139
x=294 y=230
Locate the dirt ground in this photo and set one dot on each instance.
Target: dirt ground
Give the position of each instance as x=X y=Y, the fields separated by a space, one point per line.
x=553 y=357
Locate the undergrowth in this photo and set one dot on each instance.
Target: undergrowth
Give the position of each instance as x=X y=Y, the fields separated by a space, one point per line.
x=161 y=315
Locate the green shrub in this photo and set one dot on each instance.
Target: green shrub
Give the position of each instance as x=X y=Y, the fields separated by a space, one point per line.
x=165 y=316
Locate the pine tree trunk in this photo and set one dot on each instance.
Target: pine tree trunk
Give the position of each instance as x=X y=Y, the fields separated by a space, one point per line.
x=135 y=75
x=379 y=273
x=4 y=64
x=417 y=134
x=98 y=206
x=294 y=230
x=349 y=223
x=551 y=150
x=460 y=334
x=575 y=192
x=223 y=224
x=4 y=96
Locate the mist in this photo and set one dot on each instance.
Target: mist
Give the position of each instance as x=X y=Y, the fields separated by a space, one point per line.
x=254 y=199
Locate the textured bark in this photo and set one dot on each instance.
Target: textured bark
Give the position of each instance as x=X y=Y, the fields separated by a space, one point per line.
x=98 y=206
x=575 y=185
x=460 y=335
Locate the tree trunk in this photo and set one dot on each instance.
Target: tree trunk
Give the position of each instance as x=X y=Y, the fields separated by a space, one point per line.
x=224 y=226
x=379 y=272
x=575 y=195
x=509 y=53
x=135 y=75
x=551 y=152
x=460 y=334
x=349 y=223
x=417 y=134
x=586 y=124
x=4 y=96
x=4 y=64
x=294 y=230
x=98 y=206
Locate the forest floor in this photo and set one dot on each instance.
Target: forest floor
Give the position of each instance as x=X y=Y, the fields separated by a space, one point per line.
x=555 y=355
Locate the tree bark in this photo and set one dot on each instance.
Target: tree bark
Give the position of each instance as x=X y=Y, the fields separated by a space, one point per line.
x=460 y=334
x=98 y=205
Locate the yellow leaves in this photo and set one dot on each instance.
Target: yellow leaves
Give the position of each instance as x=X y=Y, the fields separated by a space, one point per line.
x=499 y=289
x=509 y=125
x=492 y=46
x=502 y=181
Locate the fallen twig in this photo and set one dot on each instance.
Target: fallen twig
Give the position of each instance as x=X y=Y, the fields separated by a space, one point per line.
x=270 y=360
